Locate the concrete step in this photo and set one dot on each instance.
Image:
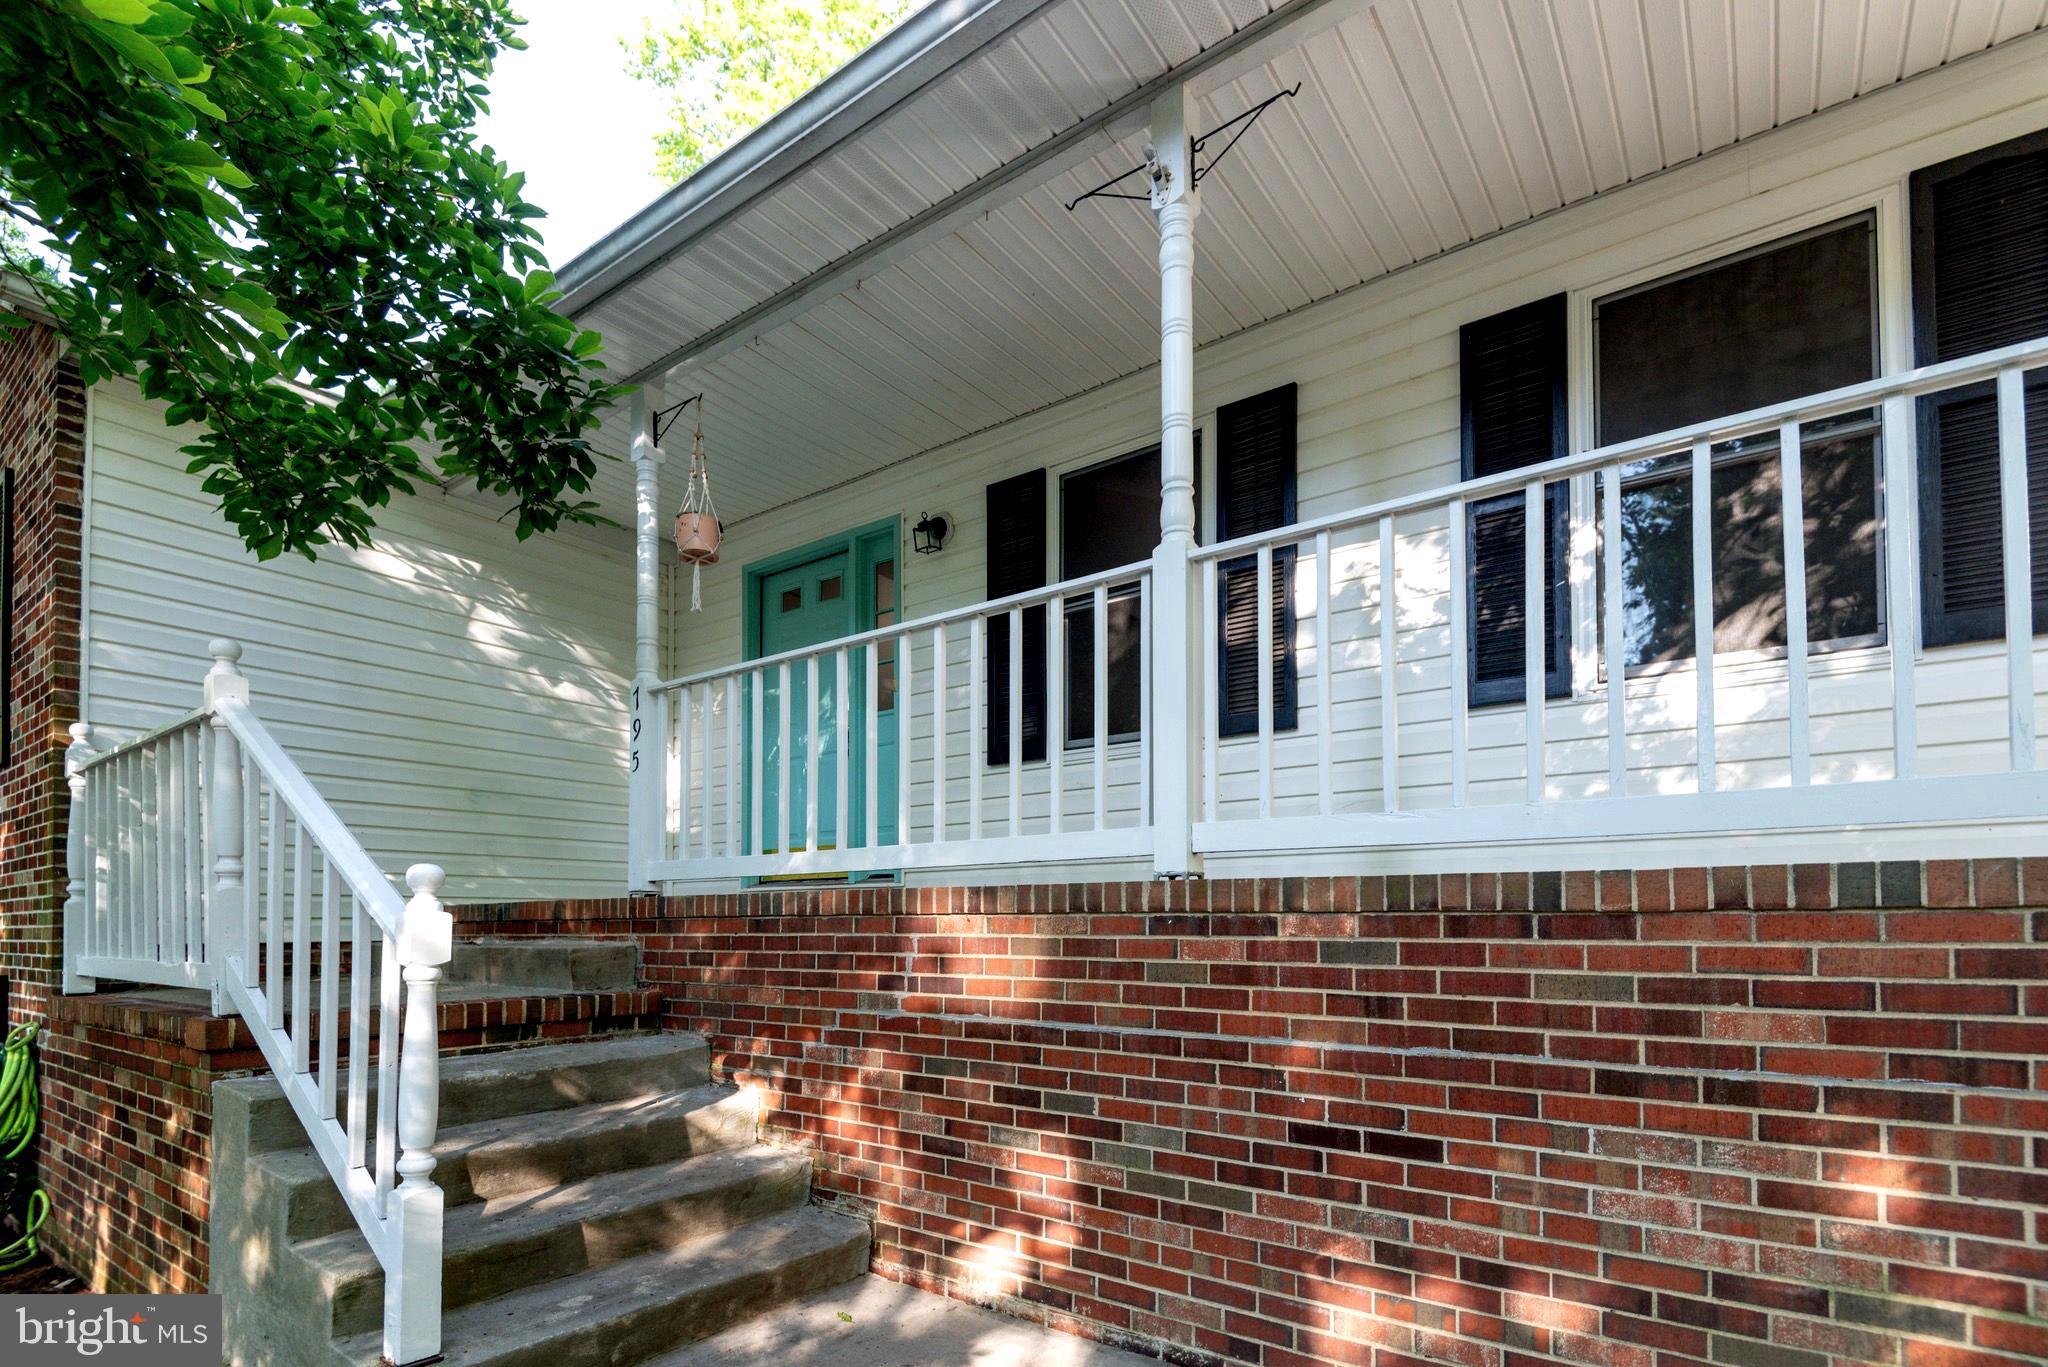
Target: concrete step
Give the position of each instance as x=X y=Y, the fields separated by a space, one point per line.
x=553 y=963
x=480 y=1087
x=499 y=1158
x=631 y=1310
x=499 y=1247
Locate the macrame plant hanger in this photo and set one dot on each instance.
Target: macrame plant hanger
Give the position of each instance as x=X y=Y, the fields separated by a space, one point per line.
x=698 y=531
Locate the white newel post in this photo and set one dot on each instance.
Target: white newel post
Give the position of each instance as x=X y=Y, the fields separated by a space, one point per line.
x=224 y=886
x=1175 y=689
x=647 y=749
x=79 y=913
x=412 y=1283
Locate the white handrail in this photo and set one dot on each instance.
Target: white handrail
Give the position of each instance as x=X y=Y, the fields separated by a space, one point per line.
x=365 y=880
x=239 y=830
x=1029 y=598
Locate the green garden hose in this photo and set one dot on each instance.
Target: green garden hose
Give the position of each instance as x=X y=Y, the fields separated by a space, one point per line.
x=18 y=1106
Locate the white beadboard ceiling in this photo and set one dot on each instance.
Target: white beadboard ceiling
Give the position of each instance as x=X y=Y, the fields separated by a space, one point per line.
x=923 y=280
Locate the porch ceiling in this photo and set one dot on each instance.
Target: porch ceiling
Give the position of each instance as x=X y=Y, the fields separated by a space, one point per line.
x=922 y=279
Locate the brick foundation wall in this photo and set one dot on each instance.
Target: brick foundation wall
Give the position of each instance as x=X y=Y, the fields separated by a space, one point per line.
x=126 y=1107
x=1752 y=1117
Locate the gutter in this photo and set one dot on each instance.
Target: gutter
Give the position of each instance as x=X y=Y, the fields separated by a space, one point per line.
x=17 y=296
x=904 y=61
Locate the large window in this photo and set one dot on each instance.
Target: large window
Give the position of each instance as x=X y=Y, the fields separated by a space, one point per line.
x=1794 y=318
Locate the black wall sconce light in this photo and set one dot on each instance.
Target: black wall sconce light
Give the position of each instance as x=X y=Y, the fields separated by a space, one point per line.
x=928 y=537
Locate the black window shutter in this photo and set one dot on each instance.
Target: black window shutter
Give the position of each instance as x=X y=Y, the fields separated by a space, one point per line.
x=1511 y=401
x=1255 y=492
x=1980 y=281
x=1016 y=564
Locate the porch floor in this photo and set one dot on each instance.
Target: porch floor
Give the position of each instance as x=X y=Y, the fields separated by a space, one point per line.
x=874 y=1322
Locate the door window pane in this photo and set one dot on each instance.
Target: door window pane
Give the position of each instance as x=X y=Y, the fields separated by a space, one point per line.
x=885 y=616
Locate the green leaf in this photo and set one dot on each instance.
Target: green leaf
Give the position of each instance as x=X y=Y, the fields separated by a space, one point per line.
x=246 y=195
x=129 y=12
x=138 y=50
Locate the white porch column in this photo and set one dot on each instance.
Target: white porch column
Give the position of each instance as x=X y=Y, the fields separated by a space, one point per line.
x=646 y=747
x=1175 y=689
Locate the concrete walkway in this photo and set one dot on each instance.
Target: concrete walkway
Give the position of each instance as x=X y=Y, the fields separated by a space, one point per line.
x=874 y=1322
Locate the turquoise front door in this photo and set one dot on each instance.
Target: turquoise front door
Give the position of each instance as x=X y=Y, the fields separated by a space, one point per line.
x=814 y=595
x=803 y=605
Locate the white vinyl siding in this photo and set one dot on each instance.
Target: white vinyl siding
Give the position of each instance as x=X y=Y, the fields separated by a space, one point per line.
x=456 y=694
x=1378 y=417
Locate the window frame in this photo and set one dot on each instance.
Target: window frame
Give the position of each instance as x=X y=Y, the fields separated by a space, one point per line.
x=1886 y=203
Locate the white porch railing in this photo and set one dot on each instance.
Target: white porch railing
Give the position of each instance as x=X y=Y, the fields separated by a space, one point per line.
x=881 y=758
x=200 y=855
x=1409 y=567
x=1388 y=749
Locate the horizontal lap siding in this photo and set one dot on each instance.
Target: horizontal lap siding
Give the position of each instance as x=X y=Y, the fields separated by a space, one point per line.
x=1378 y=418
x=455 y=693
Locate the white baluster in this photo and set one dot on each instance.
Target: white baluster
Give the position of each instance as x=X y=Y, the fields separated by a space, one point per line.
x=1460 y=643
x=1208 y=582
x=2017 y=563
x=871 y=725
x=906 y=678
x=227 y=928
x=1324 y=799
x=1262 y=656
x=1792 y=524
x=1902 y=579
x=412 y=1283
x=1703 y=605
x=1535 y=527
x=977 y=730
x=1390 y=686
x=81 y=933
x=1015 y=721
x=733 y=760
x=1056 y=713
x=1616 y=633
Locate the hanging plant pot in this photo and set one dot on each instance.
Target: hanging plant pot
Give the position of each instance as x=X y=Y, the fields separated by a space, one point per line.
x=698 y=537
x=699 y=534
